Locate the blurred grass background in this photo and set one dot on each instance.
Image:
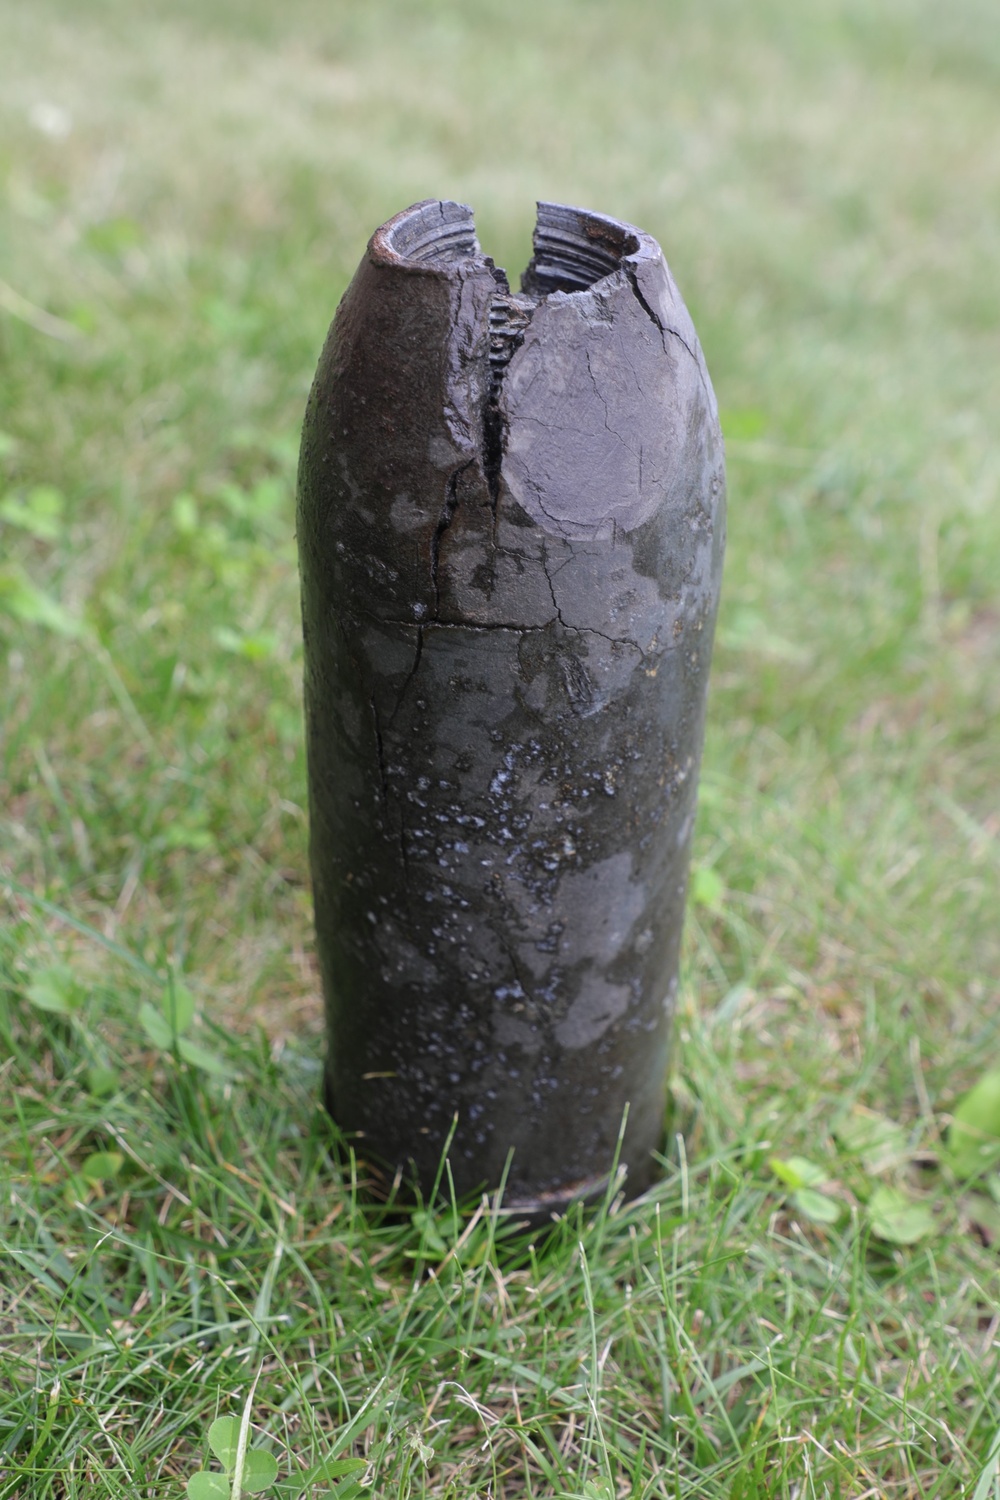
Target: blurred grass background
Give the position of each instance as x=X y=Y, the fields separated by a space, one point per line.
x=185 y=191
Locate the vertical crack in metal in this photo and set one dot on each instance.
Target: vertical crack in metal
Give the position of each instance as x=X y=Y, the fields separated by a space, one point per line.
x=380 y=749
x=418 y=653
x=448 y=510
x=509 y=317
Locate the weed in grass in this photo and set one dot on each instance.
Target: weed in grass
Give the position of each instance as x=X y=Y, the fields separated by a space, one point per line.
x=246 y=1470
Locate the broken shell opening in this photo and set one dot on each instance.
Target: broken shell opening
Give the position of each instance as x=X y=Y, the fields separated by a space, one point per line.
x=573 y=248
x=436 y=232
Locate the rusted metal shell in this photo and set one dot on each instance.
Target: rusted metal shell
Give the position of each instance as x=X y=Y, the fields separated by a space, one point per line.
x=511 y=529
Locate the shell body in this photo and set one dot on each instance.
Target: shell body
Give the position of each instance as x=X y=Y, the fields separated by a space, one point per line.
x=511 y=529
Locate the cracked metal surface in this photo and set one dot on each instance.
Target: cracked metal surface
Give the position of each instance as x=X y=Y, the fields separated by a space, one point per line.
x=511 y=527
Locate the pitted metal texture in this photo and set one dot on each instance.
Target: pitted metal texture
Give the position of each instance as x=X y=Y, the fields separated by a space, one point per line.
x=511 y=529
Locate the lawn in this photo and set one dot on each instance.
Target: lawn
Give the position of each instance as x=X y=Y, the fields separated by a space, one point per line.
x=808 y=1303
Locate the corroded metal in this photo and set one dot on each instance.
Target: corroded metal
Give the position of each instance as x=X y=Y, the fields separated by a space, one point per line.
x=511 y=527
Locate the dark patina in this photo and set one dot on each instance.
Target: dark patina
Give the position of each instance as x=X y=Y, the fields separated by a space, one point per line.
x=511 y=528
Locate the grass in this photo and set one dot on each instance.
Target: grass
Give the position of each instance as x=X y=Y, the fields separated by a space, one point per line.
x=186 y=191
